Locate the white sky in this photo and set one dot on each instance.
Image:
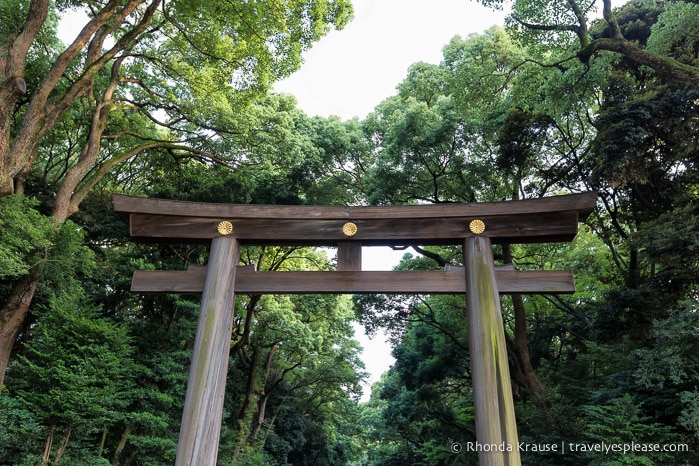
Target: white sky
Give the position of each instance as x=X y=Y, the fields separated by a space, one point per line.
x=350 y=72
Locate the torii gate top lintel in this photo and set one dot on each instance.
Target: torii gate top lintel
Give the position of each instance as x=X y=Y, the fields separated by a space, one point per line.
x=546 y=219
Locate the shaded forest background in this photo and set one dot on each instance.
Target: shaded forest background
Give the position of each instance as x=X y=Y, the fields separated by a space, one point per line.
x=172 y=100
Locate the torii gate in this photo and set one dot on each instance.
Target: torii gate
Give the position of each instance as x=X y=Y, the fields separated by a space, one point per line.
x=475 y=226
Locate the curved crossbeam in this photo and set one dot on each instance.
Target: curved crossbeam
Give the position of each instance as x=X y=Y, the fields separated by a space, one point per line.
x=533 y=220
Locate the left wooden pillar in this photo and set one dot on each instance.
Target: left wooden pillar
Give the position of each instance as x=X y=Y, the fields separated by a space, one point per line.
x=203 y=407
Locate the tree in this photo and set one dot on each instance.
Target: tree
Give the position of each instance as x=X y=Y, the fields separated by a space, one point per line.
x=423 y=403
x=141 y=76
x=299 y=351
x=567 y=25
x=77 y=377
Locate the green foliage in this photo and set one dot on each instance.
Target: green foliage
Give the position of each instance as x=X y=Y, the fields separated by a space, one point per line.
x=689 y=419
x=18 y=428
x=490 y=61
x=636 y=19
x=25 y=236
x=669 y=366
x=675 y=32
x=423 y=403
x=423 y=156
x=77 y=373
x=13 y=14
x=644 y=137
x=622 y=422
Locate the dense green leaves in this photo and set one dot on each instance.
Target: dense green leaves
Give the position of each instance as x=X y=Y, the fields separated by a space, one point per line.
x=24 y=233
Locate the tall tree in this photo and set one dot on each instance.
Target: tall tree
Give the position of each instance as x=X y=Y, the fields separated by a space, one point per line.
x=140 y=76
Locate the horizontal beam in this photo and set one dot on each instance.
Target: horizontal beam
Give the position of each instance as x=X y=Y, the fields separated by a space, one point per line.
x=582 y=203
x=514 y=228
x=249 y=281
x=523 y=221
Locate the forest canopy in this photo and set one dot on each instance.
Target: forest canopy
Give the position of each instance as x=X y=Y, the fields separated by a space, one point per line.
x=173 y=100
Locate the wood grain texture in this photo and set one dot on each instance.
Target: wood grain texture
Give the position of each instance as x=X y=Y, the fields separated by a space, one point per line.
x=248 y=281
x=511 y=228
x=203 y=409
x=492 y=392
x=349 y=256
x=582 y=203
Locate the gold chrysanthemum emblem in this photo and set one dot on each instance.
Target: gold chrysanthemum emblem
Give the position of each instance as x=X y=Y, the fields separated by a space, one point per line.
x=476 y=226
x=225 y=228
x=349 y=229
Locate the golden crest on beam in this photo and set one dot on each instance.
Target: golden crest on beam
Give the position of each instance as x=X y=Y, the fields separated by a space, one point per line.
x=476 y=227
x=225 y=228
x=349 y=229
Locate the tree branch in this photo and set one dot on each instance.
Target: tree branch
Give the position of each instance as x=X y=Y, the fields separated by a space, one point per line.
x=665 y=67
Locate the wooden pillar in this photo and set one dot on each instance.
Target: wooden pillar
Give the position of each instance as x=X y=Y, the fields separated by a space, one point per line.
x=203 y=408
x=349 y=256
x=496 y=430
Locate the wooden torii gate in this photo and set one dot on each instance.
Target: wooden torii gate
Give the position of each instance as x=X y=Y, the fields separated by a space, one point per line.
x=474 y=226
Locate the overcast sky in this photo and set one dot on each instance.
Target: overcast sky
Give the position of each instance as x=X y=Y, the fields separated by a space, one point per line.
x=351 y=71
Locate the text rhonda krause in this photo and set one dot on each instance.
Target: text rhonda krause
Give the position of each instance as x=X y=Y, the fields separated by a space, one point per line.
x=565 y=447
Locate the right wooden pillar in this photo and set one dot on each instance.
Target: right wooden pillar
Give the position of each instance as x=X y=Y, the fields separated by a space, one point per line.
x=496 y=429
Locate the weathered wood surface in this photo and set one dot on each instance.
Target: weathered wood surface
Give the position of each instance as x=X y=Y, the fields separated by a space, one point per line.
x=492 y=391
x=582 y=203
x=248 y=281
x=203 y=409
x=349 y=256
x=532 y=220
x=529 y=228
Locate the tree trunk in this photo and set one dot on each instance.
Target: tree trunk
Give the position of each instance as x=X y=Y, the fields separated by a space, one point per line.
x=41 y=115
x=103 y=440
x=271 y=422
x=244 y=338
x=12 y=84
x=259 y=419
x=64 y=444
x=47 y=447
x=250 y=392
x=518 y=347
x=520 y=357
x=250 y=389
x=122 y=444
x=12 y=317
x=65 y=205
x=251 y=433
x=262 y=402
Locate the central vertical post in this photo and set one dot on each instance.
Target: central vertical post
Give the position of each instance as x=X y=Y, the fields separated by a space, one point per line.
x=496 y=430
x=203 y=407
